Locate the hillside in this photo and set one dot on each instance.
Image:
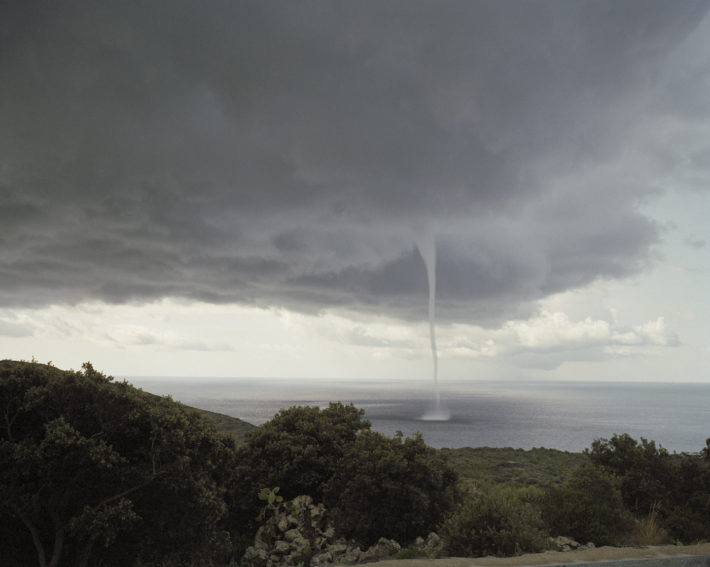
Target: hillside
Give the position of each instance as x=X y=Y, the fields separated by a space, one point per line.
x=234 y=426
x=237 y=428
x=514 y=467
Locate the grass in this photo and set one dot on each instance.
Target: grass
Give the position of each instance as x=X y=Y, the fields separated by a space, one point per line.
x=648 y=530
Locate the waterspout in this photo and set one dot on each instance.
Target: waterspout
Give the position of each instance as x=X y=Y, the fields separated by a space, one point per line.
x=426 y=244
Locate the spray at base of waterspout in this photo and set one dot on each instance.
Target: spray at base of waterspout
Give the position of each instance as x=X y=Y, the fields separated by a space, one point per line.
x=436 y=415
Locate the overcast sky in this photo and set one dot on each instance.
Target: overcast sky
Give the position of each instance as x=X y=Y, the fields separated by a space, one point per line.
x=231 y=188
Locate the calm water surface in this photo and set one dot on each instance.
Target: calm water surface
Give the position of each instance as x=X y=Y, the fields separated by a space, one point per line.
x=558 y=415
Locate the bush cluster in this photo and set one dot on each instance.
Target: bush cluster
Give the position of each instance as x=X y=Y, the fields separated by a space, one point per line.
x=395 y=488
x=589 y=507
x=97 y=472
x=374 y=486
x=495 y=521
x=673 y=489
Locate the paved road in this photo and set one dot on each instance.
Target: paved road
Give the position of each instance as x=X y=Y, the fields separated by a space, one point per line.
x=569 y=557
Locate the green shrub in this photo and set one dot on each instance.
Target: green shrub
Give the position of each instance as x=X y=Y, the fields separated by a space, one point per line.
x=298 y=450
x=645 y=470
x=390 y=487
x=97 y=472
x=373 y=485
x=690 y=523
x=495 y=521
x=589 y=507
x=675 y=487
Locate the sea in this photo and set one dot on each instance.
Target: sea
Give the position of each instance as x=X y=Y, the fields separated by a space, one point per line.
x=557 y=415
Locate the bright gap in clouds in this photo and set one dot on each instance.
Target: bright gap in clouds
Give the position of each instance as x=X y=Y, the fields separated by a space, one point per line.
x=178 y=338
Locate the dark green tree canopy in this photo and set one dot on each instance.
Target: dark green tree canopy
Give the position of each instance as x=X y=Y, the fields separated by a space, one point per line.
x=97 y=472
x=398 y=488
x=646 y=470
x=300 y=448
x=374 y=486
x=589 y=507
x=677 y=486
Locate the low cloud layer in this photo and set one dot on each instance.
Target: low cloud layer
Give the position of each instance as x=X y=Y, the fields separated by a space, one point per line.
x=289 y=154
x=261 y=341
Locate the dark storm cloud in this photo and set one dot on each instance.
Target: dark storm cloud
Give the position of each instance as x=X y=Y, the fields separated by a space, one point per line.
x=280 y=153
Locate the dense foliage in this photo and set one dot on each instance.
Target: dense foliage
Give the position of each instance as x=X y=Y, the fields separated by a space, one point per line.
x=97 y=472
x=619 y=491
x=646 y=471
x=496 y=521
x=674 y=487
x=589 y=507
x=390 y=487
x=300 y=448
x=374 y=486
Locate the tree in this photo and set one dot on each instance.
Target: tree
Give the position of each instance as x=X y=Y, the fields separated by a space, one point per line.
x=97 y=472
x=677 y=486
x=390 y=487
x=646 y=471
x=686 y=512
x=589 y=507
x=298 y=450
x=373 y=486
